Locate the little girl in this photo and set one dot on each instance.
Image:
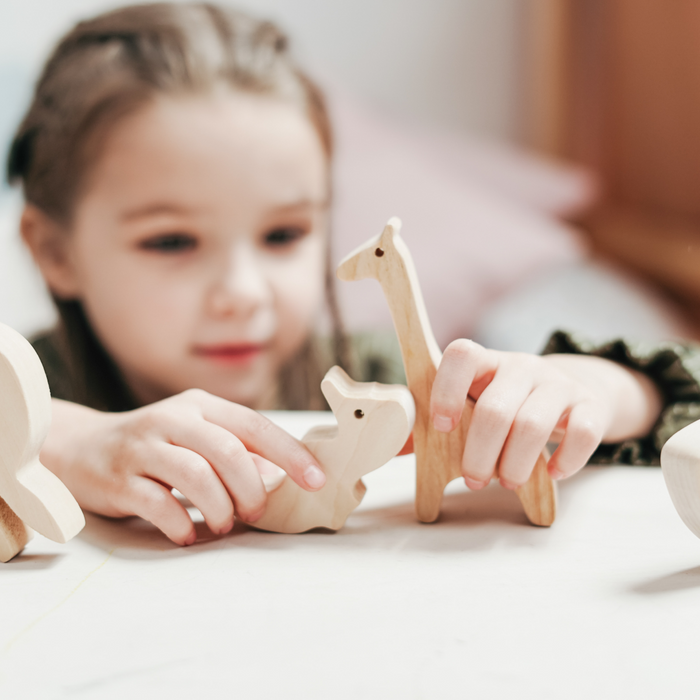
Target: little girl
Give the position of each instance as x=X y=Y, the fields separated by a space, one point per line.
x=176 y=169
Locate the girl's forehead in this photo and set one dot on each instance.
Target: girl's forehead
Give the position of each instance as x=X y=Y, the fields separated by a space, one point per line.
x=222 y=120
x=233 y=145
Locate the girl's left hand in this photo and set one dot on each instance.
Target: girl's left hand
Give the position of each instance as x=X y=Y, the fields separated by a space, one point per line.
x=524 y=401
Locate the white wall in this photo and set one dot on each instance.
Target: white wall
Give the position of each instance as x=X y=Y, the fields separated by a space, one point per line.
x=446 y=62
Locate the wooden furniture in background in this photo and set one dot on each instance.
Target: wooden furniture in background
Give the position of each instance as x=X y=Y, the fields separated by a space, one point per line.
x=615 y=85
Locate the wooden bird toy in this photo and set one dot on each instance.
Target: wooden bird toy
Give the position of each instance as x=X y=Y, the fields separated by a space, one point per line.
x=680 y=464
x=374 y=423
x=30 y=495
x=387 y=259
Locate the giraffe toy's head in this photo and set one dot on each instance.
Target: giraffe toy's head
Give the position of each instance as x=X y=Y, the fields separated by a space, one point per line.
x=372 y=257
x=387 y=259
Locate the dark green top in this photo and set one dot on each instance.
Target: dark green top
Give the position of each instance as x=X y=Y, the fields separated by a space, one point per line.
x=675 y=369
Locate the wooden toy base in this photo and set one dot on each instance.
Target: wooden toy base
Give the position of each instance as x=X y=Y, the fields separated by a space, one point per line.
x=14 y=534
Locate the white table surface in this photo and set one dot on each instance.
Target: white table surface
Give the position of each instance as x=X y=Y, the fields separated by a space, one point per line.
x=605 y=604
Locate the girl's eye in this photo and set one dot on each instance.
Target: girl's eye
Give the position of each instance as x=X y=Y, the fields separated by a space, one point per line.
x=283 y=236
x=170 y=243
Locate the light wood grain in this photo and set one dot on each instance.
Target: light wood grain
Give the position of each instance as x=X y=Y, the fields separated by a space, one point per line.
x=387 y=259
x=680 y=463
x=30 y=492
x=374 y=422
x=14 y=534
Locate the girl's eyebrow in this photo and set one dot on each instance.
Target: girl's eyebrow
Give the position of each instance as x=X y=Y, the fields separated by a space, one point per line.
x=320 y=203
x=160 y=209
x=151 y=210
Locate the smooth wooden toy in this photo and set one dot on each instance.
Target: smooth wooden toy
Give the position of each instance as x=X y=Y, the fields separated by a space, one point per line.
x=387 y=259
x=680 y=464
x=374 y=422
x=30 y=495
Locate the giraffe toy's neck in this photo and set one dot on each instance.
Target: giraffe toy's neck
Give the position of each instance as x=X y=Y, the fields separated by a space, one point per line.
x=399 y=281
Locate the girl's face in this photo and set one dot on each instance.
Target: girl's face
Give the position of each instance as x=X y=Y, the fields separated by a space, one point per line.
x=198 y=246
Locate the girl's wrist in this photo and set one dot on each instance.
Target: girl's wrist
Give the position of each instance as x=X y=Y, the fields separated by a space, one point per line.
x=633 y=399
x=70 y=425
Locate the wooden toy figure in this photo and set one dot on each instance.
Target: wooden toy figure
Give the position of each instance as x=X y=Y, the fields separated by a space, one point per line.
x=30 y=495
x=438 y=455
x=374 y=422
x=680 y=464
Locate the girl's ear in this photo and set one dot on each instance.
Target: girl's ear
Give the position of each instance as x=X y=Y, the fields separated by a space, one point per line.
x=49 y=246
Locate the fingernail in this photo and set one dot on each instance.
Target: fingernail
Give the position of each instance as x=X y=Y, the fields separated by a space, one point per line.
x=191 y=538
x=555 y=473
x=442 y=423
x=314 y=477
x=228 y=527
x=473 y=484
x=508 y=484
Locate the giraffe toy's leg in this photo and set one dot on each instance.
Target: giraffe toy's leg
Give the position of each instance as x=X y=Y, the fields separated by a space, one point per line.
x=438 y=461
x=539 y=494
x=430 y=485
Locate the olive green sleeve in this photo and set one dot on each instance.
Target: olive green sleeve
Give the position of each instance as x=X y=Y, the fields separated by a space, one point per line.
x=675 y=369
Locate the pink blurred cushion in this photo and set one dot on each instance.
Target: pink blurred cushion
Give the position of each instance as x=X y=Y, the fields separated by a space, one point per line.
x=472 y=242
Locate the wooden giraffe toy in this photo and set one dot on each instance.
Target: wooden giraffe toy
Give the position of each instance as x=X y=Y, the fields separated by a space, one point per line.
x=30 y=495
x=374 y=422
x=680 y=464
x=387 y=259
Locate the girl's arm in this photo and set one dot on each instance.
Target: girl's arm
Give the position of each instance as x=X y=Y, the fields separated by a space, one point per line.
x=523 y=401
x=211 y=450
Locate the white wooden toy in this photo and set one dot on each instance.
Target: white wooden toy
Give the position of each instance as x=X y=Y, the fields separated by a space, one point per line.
x=386 y=258
x=30 y=495
x=680 y=464
x=374 y=423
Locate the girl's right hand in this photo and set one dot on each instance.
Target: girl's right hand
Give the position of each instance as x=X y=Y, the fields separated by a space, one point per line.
x=211 y=450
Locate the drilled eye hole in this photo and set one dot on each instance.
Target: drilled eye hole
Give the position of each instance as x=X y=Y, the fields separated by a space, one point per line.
x=359 y=413
x=379 y=252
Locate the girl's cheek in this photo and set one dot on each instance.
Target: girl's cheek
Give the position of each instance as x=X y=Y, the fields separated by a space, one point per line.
x=133 y=302
x=299 y=291
x=304 y=286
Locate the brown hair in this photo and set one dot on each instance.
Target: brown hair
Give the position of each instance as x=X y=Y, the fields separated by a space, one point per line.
x=108 y=67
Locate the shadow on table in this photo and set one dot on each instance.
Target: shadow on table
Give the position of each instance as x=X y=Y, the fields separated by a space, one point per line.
x=669 y=583
x=469 y=521
x=29 y=562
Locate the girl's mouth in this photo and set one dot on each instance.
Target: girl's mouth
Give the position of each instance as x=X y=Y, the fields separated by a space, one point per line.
x=230 y=354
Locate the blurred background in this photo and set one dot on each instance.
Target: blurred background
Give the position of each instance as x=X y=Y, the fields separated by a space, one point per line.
x=452 y=63
x=552 y=145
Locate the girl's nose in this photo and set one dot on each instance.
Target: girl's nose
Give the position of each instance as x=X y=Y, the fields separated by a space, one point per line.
x=241 y=286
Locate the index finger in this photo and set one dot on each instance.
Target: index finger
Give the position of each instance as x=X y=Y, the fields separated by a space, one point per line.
x=462 y=362
x=262 y=436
